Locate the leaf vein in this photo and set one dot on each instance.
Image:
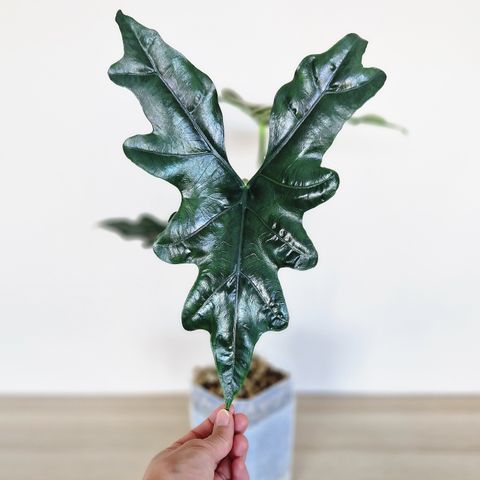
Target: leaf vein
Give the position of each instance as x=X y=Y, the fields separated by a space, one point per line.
x=221 y=285
x=205 y=225
x=296 y=187
x=257 y=291
x=264 y=223
x=169 y=154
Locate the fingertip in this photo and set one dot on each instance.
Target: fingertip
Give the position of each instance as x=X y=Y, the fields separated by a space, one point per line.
x=223 y=418
x=241 y=423
x=212 y=416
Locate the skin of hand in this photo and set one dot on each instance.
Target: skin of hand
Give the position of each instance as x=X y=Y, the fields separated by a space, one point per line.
x=214 y=450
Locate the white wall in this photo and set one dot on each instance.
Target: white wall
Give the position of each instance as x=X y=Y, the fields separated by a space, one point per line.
x=393 y=303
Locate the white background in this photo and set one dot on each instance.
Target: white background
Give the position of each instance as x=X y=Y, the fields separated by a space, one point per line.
x=392 y=305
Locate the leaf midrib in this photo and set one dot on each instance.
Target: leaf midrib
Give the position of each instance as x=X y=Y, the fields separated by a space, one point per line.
x=243 y=203
x=238 y=272
x=288 y=137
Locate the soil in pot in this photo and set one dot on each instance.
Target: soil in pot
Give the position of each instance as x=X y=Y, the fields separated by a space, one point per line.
x=261 y=376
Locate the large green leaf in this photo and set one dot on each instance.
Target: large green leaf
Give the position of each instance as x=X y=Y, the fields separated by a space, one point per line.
x=238 y=234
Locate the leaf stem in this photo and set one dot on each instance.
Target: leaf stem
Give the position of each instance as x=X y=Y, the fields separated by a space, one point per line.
x=262 y=142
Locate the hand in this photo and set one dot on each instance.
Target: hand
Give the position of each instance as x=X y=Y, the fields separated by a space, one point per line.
x=214 y=450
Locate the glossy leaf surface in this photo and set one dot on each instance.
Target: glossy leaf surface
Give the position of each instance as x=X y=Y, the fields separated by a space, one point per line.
x=238 y=234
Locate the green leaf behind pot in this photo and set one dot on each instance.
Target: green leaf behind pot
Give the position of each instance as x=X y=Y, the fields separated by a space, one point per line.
x=260 y=113
x=377 y=121
x=145 y=228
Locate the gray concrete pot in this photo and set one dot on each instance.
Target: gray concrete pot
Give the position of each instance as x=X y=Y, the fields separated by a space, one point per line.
x=270 y=434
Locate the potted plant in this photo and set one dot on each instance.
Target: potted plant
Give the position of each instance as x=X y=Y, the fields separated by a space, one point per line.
x=239 y=233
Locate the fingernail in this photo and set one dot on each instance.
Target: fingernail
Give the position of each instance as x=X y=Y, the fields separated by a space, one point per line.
x=222 y=419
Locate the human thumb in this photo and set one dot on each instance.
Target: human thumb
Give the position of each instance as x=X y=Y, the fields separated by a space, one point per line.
x=221 y=439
